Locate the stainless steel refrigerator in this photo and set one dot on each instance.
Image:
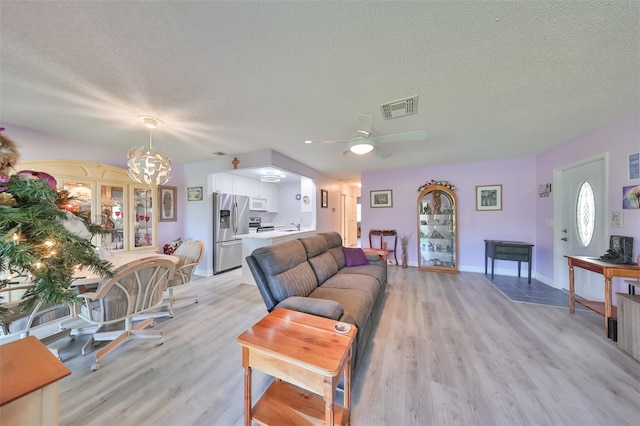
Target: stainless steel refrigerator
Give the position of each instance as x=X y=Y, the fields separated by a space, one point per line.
x=230 y=218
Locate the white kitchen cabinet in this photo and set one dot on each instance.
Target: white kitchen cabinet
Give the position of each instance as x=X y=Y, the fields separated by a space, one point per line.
x=223 y=183
x=241 y=185
x=272 y=198
x=259 y=189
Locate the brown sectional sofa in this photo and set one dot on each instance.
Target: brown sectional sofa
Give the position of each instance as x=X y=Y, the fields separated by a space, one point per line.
x=309 y=275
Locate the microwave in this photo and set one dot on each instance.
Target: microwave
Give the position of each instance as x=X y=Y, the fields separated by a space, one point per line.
x=258 y=204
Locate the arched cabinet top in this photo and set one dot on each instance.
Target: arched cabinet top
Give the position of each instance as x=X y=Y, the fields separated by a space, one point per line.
x=78 y=169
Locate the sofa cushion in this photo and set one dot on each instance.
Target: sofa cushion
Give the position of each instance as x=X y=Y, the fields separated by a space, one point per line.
x=314 y=245
x=287 y=270
x=324 y=266
x=376 y=271
x=309 y=305
x=354 y=256
x=334 y=242
x=355 y=282
x=357 y=304
x=323 y=263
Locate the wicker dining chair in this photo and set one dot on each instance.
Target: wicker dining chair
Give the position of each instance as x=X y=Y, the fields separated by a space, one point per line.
x=190 y=252
x=136 y=289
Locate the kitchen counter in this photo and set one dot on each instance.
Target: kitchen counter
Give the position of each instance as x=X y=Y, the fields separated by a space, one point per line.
x=254 y=240
x=269 y=235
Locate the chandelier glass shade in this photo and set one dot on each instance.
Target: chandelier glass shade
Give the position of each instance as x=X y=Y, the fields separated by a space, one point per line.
x=148 y=166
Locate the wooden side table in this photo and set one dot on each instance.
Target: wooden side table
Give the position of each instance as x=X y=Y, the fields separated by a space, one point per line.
x=29 y=388
x=380 y=252
x=307 y=358
x=382 y=233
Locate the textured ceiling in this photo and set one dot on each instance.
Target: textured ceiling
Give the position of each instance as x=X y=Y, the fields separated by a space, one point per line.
x=493 y=79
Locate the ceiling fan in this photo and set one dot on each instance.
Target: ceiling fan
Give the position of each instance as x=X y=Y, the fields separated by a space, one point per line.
x=362 y=142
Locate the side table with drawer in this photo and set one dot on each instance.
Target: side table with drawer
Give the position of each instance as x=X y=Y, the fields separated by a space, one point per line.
x=507 y=250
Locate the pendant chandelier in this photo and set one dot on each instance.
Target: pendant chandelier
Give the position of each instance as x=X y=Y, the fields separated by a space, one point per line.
x=148 y=166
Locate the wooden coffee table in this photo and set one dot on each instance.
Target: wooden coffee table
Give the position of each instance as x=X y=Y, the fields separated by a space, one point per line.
x=307 y=358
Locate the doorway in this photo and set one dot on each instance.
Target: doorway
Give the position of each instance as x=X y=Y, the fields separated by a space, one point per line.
x=580 y=222
x=348 y=226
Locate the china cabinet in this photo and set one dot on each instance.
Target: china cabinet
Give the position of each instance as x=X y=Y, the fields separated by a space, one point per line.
x=437 y=229
x=105 y=194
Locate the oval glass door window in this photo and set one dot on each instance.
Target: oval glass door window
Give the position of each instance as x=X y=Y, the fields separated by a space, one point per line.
x=585 y=214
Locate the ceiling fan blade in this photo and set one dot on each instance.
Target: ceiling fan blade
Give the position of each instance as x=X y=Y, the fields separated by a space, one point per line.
x=342 y=154
x=402 y=137
x=363 y=124
x=328 y=142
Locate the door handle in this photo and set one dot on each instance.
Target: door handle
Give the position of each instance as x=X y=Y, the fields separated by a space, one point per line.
x=564 y=239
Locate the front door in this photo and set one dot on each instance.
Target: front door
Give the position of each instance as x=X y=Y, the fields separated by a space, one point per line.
x=576 y=218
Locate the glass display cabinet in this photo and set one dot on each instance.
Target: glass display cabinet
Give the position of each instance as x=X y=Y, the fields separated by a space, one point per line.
x=144 y=234
x=105 y=195
x=437 y=229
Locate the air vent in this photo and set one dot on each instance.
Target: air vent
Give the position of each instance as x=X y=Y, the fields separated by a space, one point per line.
x=400 y=108
x=219 y=153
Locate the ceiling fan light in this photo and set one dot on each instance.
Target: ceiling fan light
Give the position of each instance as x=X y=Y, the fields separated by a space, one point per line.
x=361 y=147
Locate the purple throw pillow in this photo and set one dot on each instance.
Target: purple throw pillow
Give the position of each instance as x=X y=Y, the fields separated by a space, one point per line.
x=354 y=256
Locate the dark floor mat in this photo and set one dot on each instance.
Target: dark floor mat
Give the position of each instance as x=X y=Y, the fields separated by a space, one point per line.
x=518 y=290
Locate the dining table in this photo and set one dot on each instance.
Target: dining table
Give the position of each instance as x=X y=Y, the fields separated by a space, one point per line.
x=86 y=278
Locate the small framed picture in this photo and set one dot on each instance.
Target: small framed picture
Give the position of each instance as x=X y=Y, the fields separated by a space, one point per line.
x=617 y=220
x=324 y=198
x=168 y=204
x=194 y=193
x=382 y=198
x=489 y=197
x=634 y=166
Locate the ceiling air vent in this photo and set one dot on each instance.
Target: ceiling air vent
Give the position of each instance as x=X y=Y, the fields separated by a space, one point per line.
x=400 y=108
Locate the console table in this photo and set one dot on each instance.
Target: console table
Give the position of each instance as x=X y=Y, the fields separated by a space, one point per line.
x=382 y=233
x=380 y=252
x=304 y=353
x=507 y=250
x=608 y=271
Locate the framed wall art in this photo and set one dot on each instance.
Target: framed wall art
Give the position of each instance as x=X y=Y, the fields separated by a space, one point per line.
x=634 y=166
x=324 y=198
x=631 y=197
x=194 y=193
x=168 y=204
x=382 y=198
x=488 y=197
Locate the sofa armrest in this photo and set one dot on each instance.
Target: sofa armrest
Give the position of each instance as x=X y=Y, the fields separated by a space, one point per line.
x=261 y=282
x=310 y=305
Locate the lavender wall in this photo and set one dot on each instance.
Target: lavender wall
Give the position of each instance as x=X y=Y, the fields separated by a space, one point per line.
x=513 y=222
x=524 y=215
x=619 y=138
x=34 y=145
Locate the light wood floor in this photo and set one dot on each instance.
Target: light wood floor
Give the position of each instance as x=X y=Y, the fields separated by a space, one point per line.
x=448 y=349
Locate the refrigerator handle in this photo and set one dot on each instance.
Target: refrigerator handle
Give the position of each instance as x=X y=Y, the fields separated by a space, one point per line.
x=235 y=217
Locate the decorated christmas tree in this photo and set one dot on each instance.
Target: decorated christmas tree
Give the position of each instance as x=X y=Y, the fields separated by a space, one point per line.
x=40 y=242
